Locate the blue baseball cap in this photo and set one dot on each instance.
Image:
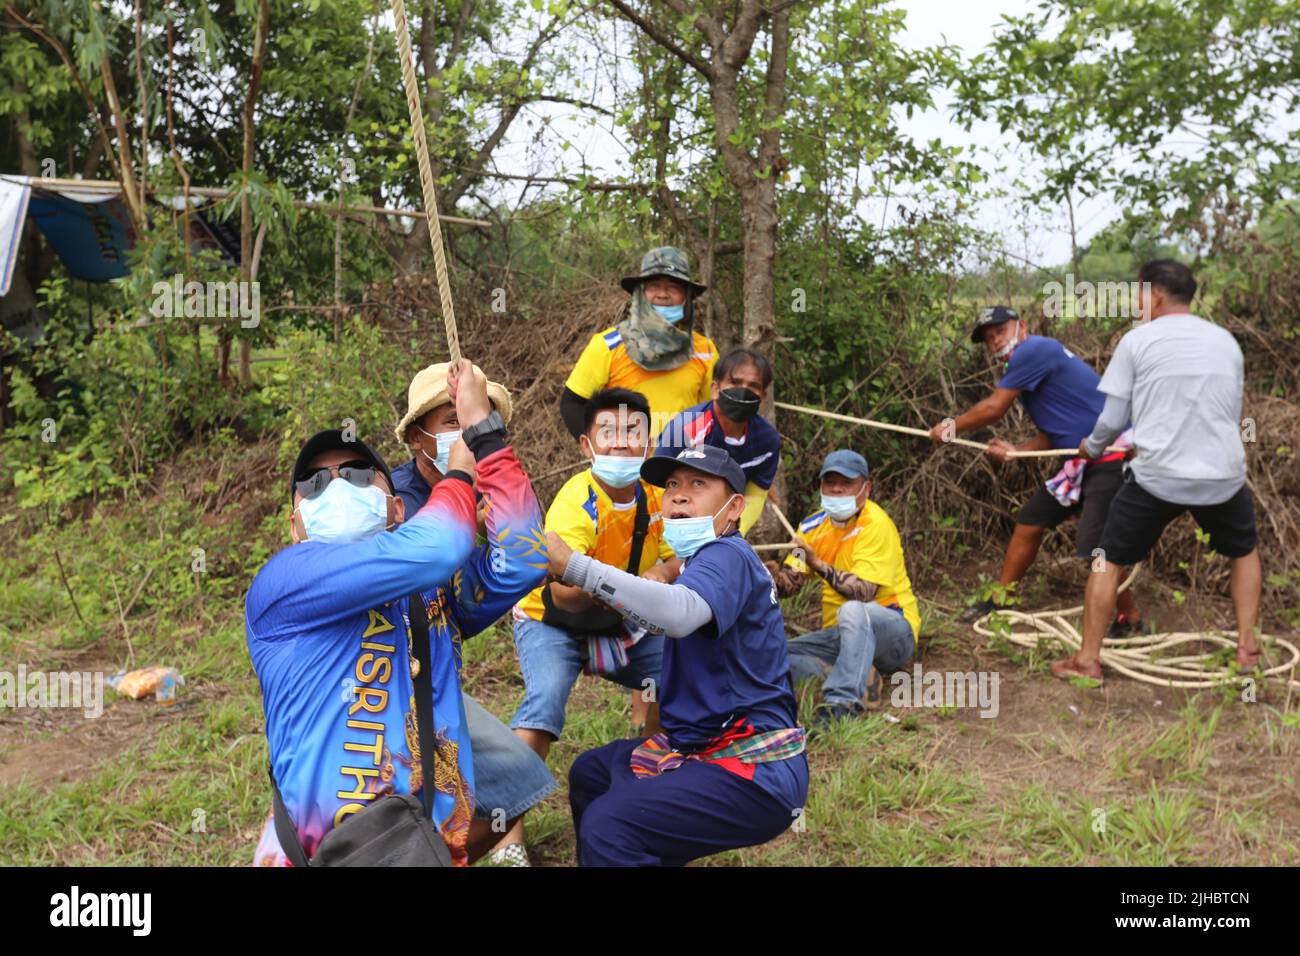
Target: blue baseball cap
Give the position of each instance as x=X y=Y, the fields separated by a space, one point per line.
x=706 y=458
x=995 y=315
x=847 y=463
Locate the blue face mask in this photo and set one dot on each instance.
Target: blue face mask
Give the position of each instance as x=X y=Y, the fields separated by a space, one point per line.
x=617 y=471
x=672 y=313
x=687 y=535
x=344 y=512
x=445 y=440
x=840 y=507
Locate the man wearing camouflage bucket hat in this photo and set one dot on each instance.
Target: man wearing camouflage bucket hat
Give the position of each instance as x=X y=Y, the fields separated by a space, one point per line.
x=654 y=349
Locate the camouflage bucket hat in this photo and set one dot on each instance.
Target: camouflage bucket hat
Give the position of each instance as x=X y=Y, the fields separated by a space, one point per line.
x=664 y=261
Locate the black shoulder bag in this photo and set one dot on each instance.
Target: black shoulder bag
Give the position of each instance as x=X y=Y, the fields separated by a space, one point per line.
x=397 y=829
x=599 y=621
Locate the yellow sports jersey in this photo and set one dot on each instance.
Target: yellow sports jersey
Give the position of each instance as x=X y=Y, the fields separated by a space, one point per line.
x=589 y=521
x=604 y=363
x=868 y=547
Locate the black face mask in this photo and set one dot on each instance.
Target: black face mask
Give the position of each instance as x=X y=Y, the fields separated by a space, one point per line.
x=738 y=404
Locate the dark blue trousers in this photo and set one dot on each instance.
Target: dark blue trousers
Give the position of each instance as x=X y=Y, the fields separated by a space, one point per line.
x=668 y=820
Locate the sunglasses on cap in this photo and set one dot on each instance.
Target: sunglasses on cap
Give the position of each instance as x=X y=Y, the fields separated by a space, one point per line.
x=360 y=473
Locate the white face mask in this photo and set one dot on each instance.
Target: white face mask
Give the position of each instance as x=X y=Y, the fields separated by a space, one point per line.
x=445 y=440
x=617 y=471
x=687 y=535
x=343 y=512
x=840 y=507
x=1010 y=346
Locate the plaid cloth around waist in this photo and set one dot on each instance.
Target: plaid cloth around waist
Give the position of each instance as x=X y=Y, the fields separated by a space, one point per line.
x=654 y=756
x=1066 y=486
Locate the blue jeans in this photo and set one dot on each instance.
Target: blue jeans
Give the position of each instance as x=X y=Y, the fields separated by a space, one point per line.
x=508 y=777
x=551 y=660
x=864 y=634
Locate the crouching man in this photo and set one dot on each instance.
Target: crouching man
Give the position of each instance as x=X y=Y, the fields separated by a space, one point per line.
x=332 y=620
x=728 y=770
x=870 y=622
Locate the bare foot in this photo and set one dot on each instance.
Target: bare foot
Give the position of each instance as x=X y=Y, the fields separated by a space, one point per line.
x=1071 y=668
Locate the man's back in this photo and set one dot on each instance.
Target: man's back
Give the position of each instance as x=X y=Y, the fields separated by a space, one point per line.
x=1184 y=377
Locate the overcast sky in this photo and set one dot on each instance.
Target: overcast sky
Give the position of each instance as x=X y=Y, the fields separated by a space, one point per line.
x=968 y=24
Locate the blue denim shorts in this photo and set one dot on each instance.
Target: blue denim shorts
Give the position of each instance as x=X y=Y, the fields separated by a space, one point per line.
x=508 y=776
x=551 y=660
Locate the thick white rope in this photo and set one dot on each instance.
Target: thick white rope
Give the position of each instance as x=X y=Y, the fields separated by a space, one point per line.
x=416 y=111
x=1143 y=657
x=923 y=433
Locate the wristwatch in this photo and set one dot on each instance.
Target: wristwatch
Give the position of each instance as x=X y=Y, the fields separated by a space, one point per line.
x=493 y=423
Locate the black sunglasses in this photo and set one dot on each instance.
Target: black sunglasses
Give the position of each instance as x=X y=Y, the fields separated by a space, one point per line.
x=359 y=473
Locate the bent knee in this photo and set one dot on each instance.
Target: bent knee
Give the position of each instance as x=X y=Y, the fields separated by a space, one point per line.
x=853 y=614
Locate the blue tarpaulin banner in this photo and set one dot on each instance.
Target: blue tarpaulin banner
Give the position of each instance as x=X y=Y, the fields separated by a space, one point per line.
x=92 y=237
x=90 y=229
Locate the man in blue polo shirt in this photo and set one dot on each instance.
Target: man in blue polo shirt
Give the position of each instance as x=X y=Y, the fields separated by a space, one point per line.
x=728 y=770
x=1059 y=392
x=730 y=421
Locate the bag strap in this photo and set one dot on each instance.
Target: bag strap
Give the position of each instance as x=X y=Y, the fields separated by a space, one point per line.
x=423 y=684
x=639 y=531
x=286 y=832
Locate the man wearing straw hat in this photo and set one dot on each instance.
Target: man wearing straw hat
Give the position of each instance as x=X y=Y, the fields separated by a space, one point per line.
x=509 y=778
x=870 y=621
x=1058 y=391
x=653 y=350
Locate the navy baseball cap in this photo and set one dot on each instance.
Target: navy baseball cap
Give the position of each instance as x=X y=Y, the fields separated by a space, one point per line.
x=706 y=458
x=847 y=463
x=990 y=317
x=329 y=440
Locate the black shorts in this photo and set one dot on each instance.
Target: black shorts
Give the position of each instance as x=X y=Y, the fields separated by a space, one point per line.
x=1138 y=518
x=1100 y=483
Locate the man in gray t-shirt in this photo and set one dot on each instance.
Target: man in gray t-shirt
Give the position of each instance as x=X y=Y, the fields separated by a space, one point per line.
x=1179 y=379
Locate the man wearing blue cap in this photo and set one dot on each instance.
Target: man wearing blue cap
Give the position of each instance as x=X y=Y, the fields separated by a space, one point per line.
x=870 y=621
x=728 y=770
x=1059 y=391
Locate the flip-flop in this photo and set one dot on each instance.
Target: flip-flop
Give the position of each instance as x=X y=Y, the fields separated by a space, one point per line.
x=1068 y=669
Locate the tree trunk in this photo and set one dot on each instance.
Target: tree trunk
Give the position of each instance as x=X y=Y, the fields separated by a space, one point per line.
x=245 y=203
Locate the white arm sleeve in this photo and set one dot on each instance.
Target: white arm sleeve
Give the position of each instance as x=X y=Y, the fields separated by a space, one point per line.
x=671 y=609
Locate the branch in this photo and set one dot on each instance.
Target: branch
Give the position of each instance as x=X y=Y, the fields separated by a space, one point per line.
x=508 y=113
x=573 y=101
x=662 y=38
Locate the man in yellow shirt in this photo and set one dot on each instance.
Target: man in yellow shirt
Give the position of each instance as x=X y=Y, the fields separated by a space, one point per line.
x=609 y=513
x=870 y=621
x=653 y=350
